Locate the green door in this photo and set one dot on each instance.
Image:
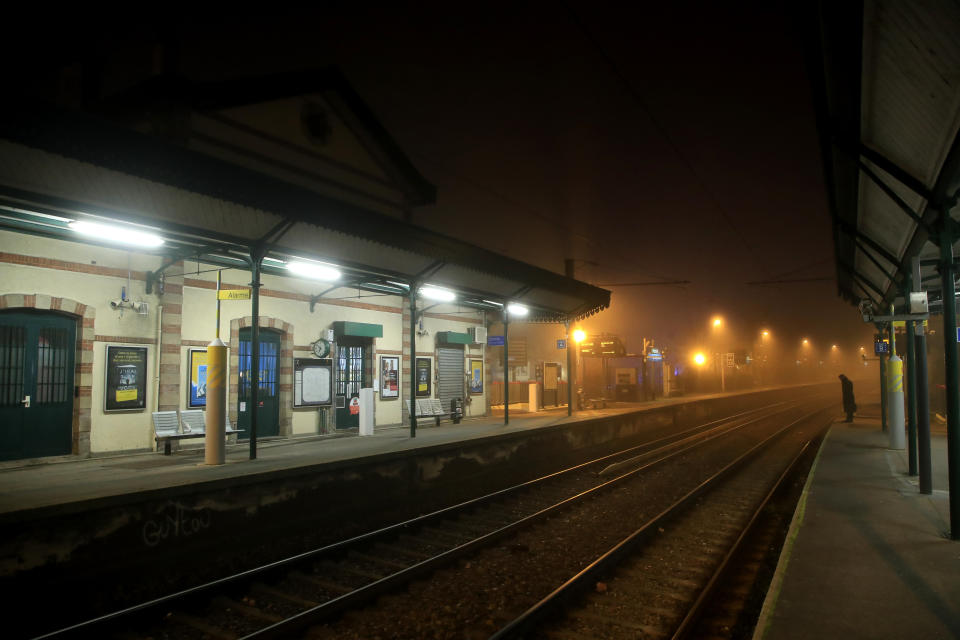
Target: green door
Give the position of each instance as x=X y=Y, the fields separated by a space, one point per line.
x=354 y=371
x=36 y=384
x=268 y=396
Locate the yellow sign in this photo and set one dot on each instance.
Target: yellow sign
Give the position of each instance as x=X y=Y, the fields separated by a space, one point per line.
x=902 y=324
x=126 y=395
x=233 y=294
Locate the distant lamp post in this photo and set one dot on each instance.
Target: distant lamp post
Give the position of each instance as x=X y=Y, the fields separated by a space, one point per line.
x=699 y=359
x=579 y=335
x=806 y=342
x=717 y=322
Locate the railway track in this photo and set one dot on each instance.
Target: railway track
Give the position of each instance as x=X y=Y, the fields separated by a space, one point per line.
x=660 y=580
x=286 y=597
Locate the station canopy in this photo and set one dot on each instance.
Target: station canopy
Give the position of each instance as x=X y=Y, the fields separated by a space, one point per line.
x=161 y=158
x=886 y=83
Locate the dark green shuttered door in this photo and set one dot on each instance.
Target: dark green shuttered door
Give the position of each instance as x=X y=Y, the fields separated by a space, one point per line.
x=36 y=384
x=268 y=394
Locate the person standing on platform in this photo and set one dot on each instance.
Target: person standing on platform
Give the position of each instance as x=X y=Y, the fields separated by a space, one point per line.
x=849 y=405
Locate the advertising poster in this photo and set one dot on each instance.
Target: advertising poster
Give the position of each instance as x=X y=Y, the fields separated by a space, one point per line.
x=476 y=377
x=198 y=378
x=423 y=377
x=126 y=383
x=389 y=377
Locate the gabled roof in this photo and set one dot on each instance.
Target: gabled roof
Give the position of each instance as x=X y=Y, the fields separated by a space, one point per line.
x=170 y=91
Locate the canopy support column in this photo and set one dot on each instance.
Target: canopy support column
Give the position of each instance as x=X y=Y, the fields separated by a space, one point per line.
x=412 y=382
x=949 y=297
x=506 y=368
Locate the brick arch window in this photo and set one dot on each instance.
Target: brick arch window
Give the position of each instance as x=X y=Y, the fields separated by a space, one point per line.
x=83 y=368
x=285 y=380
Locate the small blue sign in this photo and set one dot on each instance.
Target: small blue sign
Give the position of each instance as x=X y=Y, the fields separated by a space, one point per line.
x=881 y=347
x=958 y=334
x=494 y=341
x=562 y=344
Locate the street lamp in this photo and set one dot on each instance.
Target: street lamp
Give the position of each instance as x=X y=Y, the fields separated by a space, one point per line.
x=699 y=359
x=717 y=326
x=579 y=335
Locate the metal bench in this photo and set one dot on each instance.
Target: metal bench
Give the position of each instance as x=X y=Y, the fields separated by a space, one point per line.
x=170 y=427
x=166 y=428
x=194 y=421
x=430 y=408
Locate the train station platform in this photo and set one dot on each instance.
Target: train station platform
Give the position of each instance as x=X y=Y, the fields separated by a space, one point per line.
x=48 y=483
x=54 y=484
x=867 y=555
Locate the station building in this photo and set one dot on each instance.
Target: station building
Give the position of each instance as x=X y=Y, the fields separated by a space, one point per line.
x=118 y=219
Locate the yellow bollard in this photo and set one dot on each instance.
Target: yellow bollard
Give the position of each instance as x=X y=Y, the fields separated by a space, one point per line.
x=214 y=446
x=895 y=415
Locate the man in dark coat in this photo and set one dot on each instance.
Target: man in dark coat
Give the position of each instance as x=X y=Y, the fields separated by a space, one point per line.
x=849 y=405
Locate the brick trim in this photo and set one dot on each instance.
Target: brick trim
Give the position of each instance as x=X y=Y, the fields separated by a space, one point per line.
x=443 y=316
x=125 y=339
x=290 y=295
x=65 y=265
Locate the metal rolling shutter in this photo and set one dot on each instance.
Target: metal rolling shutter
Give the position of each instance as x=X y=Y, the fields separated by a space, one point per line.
x=450 y=373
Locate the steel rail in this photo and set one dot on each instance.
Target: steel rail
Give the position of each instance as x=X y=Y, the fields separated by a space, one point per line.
x=688 y=624
x=372 y=590
x=533 y=616
x=190 y=595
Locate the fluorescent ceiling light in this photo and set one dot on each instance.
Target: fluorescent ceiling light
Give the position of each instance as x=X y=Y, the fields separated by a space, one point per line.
x=499 y=304
x=313 y=270
x=117 y=234
x=515 y=309
x=440 y=295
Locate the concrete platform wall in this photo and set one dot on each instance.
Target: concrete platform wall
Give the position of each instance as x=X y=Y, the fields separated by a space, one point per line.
x=140 y=545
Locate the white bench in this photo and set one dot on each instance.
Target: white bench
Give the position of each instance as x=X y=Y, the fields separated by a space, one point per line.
x=168 y=427
x=430 y=408
x=194 y=421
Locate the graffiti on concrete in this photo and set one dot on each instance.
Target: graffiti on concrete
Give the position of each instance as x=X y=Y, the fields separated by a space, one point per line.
x=175 y=521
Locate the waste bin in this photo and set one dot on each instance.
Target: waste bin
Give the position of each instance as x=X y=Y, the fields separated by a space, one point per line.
x=456 y=410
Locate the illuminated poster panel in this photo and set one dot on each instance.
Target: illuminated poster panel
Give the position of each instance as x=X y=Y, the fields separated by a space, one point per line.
x=197 y=366
x=389 y=377
x=126 y=379
x=423 y=378
x=476 y=377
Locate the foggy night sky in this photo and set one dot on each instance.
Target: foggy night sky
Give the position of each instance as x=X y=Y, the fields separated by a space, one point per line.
x=671 y=143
